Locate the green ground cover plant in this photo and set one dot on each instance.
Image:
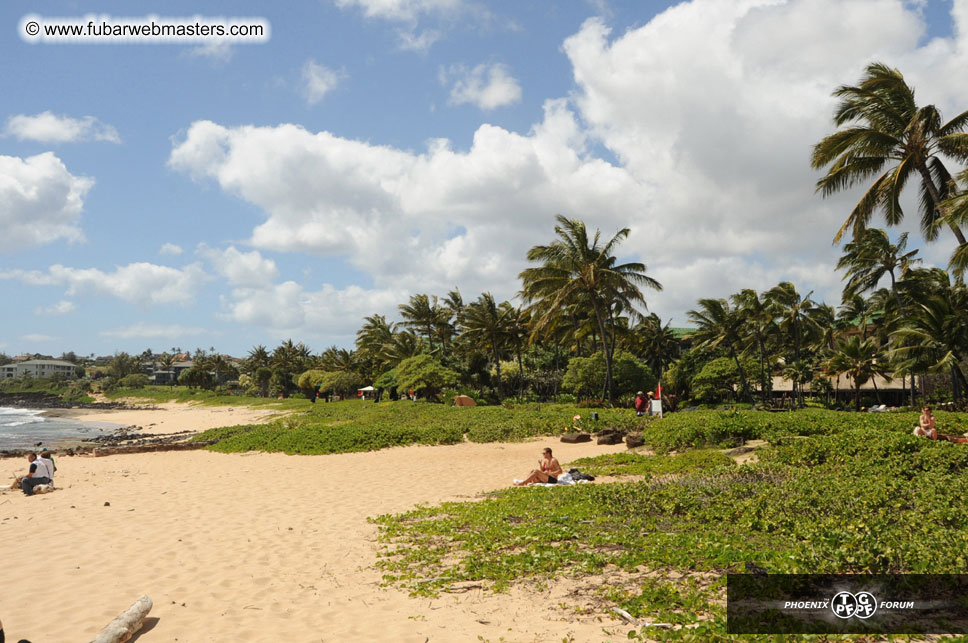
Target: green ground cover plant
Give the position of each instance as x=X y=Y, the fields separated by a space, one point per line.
x=635 y=464
x=855 y=493
x=354 y=425
x=183 y=394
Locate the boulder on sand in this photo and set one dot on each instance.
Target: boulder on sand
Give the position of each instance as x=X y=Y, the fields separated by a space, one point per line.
x=573 y=438
x=610 y=436
x=633 y=440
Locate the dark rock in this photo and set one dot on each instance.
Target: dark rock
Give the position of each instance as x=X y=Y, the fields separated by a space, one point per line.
x=572 y=438
x=610 y=436
x=633 y=440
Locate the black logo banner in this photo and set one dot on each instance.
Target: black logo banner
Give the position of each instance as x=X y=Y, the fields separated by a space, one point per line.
x=847 y=604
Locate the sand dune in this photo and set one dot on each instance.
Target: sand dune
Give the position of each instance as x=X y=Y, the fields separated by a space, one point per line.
x=256 y=547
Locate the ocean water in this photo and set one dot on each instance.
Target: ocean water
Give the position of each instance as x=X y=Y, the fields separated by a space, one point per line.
x=24 y=428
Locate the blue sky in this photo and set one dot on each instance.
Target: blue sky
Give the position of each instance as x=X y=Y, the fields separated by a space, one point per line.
x=159 y=195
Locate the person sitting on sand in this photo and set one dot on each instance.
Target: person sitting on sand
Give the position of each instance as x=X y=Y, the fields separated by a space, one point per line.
x=49 y=461
x=37 y=474
x=548 y=471
x=926 y=425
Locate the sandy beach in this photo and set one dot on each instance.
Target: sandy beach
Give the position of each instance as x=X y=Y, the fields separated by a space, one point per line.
x=172 y=417
x=259 y=547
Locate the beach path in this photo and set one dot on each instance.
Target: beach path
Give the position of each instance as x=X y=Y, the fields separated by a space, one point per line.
x=258 y=547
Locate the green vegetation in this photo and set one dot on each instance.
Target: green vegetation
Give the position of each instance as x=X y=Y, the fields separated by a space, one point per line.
x=837 y=492
x=634 y=464
x=364 y=426
x=69 y=391
x=159 y=394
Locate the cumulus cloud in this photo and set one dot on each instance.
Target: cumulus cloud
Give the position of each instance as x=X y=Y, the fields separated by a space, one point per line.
x=429 y=220
x=170 y=249
x=142 y=330
x=709 y=110
x=328 y=314
x=245 y=269
x=62 y=307
x=318 y=80
x=40 y=201
x=48 y=127
x=142 y=284
x=486 y=86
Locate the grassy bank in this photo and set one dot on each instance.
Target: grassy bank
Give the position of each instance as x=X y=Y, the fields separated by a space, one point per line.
x=836 y=492
x=185 y=395
x=365 y=426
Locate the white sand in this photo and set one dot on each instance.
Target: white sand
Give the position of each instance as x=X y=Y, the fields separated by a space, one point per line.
x=171 y=417
x=258 y=547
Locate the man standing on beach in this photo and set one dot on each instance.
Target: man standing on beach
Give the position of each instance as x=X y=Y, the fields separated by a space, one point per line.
x=38 y=474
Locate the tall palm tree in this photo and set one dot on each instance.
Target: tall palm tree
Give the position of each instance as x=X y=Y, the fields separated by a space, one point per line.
x=858 y=312
x=888 y=129
x=955 y=211
x=795 y=319
x=758 y=318
x=860 y=360
x=422 y=313
x=580 y=270
x=487 y=325
x=258 y=357
x=938 y=335
x=719 y=326
x=658 y=344
x=870 y=256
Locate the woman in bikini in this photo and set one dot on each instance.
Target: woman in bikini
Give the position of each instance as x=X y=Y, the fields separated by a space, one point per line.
x=548 y=471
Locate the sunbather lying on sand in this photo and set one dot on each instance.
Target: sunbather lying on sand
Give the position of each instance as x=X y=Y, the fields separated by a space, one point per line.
x=548 y=471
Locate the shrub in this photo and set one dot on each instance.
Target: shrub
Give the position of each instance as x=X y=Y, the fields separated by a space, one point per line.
x=135 y=380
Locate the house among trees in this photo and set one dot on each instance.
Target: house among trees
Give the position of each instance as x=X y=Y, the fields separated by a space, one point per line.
x=38 y=368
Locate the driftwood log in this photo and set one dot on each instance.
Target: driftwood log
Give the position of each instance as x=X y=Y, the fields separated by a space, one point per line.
x=126 y=625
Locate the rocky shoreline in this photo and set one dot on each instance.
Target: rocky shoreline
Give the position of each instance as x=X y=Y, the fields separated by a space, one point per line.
x=127 y=439
x=43 y=400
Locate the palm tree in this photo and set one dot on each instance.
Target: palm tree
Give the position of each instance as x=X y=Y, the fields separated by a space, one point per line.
x=869 y=257
x=487 y=325
x=657 y=343
x=422 y=313
x=583 y=271
x=955 y=212
x=860 y=360
x=858 y=312
x=937 y=335
x=258 y=357
x=795 y=319
x=887 y=128
x=718 y=326
x=758 y=317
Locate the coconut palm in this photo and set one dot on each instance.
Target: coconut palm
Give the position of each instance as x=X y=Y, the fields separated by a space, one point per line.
x=422 y=313
x=657 y=343
x=870 y=257
x=887 y=129
x=937 y=335
x=859 y=359
x=487 y=325
x=759 y=321
x=578 y=270
x=719 y=326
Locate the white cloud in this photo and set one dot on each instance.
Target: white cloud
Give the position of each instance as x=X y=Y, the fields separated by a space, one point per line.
x=48 y=127
x=318 y=80
x=420 y=221
x=170 y=249
x=217 y=50
x=62 y=307
x=401 y=10
x=328 y=314
x=486 y=86
x=420 y=42
x=144 y=330
x=40 y=201
x=710 y=111
x=142 y=284
x=245 y=269
x=38 y=337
